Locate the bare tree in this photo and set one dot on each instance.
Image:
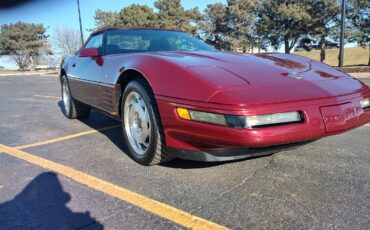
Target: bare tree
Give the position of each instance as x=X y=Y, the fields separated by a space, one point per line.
x=67 y=40
x=21 y=59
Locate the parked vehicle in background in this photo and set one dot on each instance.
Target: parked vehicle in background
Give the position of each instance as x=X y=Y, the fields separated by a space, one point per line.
x=308 y=44
x=331 y=44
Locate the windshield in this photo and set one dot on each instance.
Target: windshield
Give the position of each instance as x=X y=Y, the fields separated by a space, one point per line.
x=146 y=40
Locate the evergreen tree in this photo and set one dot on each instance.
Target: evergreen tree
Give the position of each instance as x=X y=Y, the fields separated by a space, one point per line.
x=231 y=26
x=171 y=14
x=24 y=42
x=241 y=20
x=324 y=14
x=283 y=21
x=214 y=26
x=358 y=12
x=136 y=15
x=105 y=18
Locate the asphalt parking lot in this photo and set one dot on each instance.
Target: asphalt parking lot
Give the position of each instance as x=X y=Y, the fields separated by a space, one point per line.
x=88 y=182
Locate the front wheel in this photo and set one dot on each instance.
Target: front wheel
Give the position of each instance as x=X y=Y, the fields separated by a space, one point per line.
x=72 y=108
x=141 y=124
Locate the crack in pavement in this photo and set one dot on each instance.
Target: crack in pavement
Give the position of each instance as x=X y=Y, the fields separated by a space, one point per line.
x=197 y=209
x=248 y=178
x=305 y=212
x=86 y=225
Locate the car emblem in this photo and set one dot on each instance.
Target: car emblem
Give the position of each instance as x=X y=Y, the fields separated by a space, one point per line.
x=295 y=75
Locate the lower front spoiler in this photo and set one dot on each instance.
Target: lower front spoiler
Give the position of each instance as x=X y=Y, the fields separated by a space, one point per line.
x=230 y=154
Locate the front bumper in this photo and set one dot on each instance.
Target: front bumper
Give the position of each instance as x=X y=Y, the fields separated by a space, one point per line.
x=195 y=136
x=230 y=154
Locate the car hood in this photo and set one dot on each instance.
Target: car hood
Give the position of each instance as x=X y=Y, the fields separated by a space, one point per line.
x=263 y=78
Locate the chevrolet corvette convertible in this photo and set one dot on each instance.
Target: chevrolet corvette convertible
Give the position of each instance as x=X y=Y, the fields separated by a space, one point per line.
x=179 y=97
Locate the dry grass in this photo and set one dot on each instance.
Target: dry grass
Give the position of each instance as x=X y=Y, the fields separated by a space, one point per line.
x=27 y=72
x=5 y=71
x=360 y=75
x=352 y=56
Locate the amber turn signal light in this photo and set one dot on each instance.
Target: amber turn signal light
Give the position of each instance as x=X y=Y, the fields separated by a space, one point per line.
x=183 y=113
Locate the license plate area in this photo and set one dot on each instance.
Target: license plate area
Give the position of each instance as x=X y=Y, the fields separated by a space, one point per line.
x=339 y=117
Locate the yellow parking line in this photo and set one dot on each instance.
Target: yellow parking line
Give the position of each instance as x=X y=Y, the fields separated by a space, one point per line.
x=367 y=124
x=66 y=137
x=160 y=209
x=46 y=96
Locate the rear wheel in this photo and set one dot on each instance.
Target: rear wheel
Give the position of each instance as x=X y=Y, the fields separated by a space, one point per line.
x=72 y=108
x=141 y=124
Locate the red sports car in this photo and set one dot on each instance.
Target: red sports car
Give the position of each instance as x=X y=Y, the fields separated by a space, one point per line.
x=178 y=97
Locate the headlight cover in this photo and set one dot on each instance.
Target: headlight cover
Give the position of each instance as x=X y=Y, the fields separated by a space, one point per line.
x=205 y=117
x=273 y=119
x=212 y=118
x=365 y=103
x=240 y=121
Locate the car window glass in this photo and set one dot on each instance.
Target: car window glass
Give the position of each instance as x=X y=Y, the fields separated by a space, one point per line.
x=181 y=44
x=136 y=40
x=95 y=42
x=127 y=42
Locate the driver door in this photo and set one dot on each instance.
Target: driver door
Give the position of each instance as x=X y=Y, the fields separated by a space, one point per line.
x=85 y=73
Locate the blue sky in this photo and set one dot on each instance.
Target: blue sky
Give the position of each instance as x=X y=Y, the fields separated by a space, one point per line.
x=63 y=13
x=54 y=13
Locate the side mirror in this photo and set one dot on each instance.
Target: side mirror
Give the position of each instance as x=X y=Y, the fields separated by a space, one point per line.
x=89 y=52
x=93 y=53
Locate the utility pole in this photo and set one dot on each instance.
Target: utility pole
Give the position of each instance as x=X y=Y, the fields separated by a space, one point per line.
x=79 y=17
x=342 y=26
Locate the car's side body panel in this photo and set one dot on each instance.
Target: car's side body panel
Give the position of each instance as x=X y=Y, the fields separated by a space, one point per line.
x=108 y=102
x=84 y=76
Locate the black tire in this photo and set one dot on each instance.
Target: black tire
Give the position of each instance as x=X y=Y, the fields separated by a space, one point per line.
x=156 y=150
x=73 y=108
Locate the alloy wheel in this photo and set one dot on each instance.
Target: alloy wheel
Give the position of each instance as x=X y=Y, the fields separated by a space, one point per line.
x=137 y=123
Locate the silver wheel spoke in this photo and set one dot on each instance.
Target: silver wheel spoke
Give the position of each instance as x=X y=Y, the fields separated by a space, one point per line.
x=137 y=123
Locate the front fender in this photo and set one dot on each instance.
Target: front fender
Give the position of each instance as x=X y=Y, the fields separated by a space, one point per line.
x=165 y=78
